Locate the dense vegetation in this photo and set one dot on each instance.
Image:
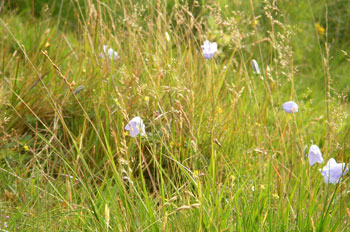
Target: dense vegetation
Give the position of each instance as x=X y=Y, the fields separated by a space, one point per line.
x=219 y=153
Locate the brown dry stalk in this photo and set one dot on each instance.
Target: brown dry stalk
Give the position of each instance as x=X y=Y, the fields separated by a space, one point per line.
x=71 y=86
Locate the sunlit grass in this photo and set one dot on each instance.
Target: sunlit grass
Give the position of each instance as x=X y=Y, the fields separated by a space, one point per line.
x=219 y=152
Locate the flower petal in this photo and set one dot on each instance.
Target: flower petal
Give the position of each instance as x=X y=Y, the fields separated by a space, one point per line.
x=290 y=107
x=315 y=155
x=115 y=55
x=333 y=171
x=213 y=47
x=206 y=46
x=105 y=48
x=255 y=66
x=209 y=49
x=135 y=126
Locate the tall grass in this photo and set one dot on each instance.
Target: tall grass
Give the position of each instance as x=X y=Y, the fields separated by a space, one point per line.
x=220 y=153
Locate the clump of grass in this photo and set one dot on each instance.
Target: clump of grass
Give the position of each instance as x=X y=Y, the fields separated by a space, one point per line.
x=219 y=152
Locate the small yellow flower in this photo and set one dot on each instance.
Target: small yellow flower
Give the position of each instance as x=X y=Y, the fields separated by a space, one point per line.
x=196 y=173
x=219 y=110
x=26 y=148
x=147 y=99
x=254 y=23
x=320 y=29
x=275 y=195
x=126 y=133
x=47 y=44
x=232 y=178
x=262 y=187
x=84 y=70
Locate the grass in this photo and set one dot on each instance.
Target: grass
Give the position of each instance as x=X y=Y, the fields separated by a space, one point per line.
x=220 y=153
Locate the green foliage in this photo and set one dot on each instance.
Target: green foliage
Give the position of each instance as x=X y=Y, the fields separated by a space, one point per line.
x=220 y=153
x=333 y=17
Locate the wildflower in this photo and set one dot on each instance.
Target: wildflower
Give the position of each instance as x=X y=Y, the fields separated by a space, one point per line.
x=255 y=67
x=219 y=110
x=77 y=90
x=135 y=127
x=26 y=148
x=254 y=23
x=275 y=195
x=319 y=29
x=3 y=219
x=196 y=173
x=315 y=155
x=333 y=171
x=110 y=53
x=262 y=187
x=290 y=107
x=146 y=99
x=209 y=49
x=47 y=44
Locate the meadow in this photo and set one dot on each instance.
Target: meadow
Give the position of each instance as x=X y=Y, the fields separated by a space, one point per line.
x=217 y=150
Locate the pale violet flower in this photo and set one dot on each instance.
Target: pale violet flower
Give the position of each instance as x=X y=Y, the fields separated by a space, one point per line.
x=315 y=155
x=209 y=49
x=135 y=127
x=109 y=52
x=255 y=67
x=290 y=107
x=333 y=171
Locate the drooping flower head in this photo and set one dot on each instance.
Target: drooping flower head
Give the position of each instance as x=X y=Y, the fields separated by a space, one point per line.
x=315 y=155
x=255 y=67
x=209 y=49
x=333 y=171
x=110 y=53
x=290 y=107
x=135 y=127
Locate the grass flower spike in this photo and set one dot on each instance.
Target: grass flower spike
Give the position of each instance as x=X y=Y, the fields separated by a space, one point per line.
x=110 y=53
x=135 y=127
x=255 y=67
x=333 y=171
x=315 y=155
x=209 y=49
x=290 y=107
